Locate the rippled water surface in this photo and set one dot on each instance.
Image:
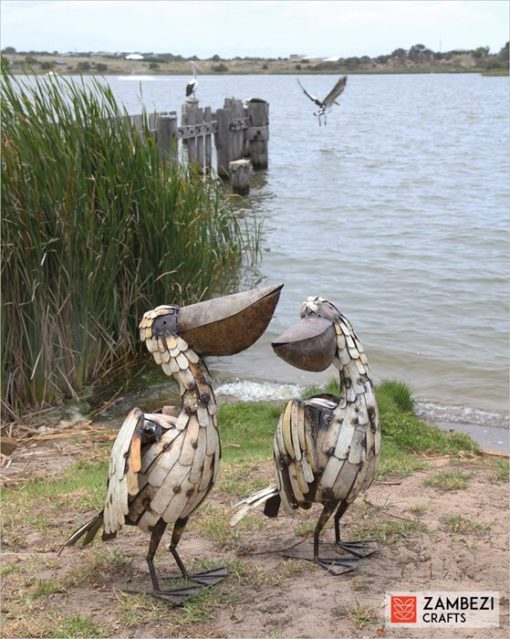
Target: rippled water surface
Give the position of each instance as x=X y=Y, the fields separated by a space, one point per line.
x=397 y=211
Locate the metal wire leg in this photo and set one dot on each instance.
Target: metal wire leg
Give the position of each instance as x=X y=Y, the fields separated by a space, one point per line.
x=360 y=548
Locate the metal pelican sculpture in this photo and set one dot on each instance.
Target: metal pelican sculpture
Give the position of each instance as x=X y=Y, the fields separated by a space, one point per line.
x=326 y=448
x=331 y=99
x=163 y=466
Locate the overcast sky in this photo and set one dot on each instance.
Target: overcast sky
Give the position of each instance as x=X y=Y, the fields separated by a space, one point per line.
x=252 y=27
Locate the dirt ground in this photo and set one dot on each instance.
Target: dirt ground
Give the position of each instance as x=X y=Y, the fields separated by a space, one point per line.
x=428 y=539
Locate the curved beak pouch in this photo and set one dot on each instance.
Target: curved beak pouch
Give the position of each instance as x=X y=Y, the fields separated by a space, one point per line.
x=310 y=344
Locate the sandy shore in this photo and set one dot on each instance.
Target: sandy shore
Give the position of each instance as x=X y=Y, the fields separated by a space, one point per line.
x=428 y=538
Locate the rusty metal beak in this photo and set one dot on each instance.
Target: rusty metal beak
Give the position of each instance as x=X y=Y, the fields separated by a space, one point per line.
x=230 y=324
x=310 y=344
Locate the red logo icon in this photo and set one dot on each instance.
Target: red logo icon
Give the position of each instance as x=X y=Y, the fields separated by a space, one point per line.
x=403 y=609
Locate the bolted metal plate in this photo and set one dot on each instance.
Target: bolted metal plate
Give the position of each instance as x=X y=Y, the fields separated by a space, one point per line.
x=310 y=344
x=230 y=324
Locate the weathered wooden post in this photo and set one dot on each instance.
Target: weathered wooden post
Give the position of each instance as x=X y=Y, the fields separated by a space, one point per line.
x=208 y=138
x=237 y=129
x=166 y=135
x=189 y=118
x=257 y=134
x=223 y=140
x=200 y=140
x=240 y=176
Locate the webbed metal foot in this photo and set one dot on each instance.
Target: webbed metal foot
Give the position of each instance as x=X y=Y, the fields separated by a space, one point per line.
x=360 y=549
x=345 y=564
x=209 y=577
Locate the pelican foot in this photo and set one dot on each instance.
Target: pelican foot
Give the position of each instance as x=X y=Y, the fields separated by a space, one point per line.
x=361 y=548
x=209 y=577
x=330 y=564
x=175 y=596
x=344 y=564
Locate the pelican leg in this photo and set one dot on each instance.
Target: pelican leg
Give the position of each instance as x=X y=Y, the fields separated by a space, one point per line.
x=361 y=548
x=176 y=596
x=204 y=578
x=344 y=564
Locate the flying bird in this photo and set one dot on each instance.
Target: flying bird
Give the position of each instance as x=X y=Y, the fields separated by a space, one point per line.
x=331 y=99
x=163 y=466
x=192 y=84
x=326 y=448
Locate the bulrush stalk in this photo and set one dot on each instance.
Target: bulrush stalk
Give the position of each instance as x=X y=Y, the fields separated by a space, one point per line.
x=96 y=229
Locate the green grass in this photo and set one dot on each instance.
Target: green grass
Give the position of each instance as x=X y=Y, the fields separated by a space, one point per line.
x=249 y=425
x=361 y=616
x=387 y=532
x=501 y=470
x=462 y=525
x=448 y=480
x=96 y=229
x=73 y=626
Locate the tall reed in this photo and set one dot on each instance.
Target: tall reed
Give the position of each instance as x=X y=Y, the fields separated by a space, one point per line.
x=96 y=229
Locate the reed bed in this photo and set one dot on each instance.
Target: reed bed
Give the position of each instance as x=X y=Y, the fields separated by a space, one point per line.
x=96 y=229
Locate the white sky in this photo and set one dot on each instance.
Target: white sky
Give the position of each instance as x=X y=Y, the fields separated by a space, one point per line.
x=252 y=27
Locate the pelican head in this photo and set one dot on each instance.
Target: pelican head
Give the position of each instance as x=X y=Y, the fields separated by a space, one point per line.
x=311 y=343
x=221 y=326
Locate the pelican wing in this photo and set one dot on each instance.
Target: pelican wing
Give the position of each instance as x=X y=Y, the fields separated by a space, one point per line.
x=294 y=455
x=128 y=463
x=329 y=100
x=309 y=95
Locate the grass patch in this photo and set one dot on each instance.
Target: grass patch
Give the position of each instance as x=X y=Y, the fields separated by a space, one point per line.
x=501 y=470
x=397 y=463
x=235 y=480
x=361 y=616
x=82 y=487
x=249 y=425
x=73 y=626
x=387 y=532
x=464 y=526
x=47 y=587
x=448 y=480
x=394 y=397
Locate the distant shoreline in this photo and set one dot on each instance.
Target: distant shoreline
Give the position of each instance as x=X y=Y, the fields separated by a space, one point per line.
x=399 y=62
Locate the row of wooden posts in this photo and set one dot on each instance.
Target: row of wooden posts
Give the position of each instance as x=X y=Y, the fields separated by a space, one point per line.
x=238 y=133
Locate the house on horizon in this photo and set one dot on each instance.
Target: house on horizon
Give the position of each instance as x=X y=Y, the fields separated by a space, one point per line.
x=134 y=56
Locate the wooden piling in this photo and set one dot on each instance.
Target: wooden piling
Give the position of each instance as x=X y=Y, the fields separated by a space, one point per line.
x=257 y=134
x=189 y=117
x=208 y=138
x=240 y=176
x=166 y=135
x=223 y=141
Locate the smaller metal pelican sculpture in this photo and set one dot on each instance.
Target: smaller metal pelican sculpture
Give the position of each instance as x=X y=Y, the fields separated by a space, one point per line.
x=326 y=448
x=331 y=99
x=163 y=466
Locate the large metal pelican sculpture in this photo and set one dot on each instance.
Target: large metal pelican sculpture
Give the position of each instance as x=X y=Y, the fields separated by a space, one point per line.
x=326 y=448
x=163 y=466
x=331 y=99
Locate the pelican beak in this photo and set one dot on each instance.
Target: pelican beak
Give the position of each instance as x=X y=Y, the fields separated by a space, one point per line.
x=230 y=324
x=310 y=344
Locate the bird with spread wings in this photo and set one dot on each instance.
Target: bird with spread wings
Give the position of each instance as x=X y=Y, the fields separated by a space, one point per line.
x=331 y=98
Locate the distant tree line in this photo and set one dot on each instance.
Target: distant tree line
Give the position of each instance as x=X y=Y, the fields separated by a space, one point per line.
x=416 y=56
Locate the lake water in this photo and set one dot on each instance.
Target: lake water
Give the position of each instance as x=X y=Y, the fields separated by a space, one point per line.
x=397 y=211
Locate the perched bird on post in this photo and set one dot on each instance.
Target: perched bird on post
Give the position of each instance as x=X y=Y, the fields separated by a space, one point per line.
x=192 y=85
x=163 y=466
x=331 y=99
x=326 y=448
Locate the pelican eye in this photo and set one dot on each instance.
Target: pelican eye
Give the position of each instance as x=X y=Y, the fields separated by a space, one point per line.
x=165 y=325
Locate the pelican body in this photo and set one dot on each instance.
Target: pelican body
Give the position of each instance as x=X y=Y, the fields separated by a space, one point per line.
x=163 y=466
x=326 y=448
